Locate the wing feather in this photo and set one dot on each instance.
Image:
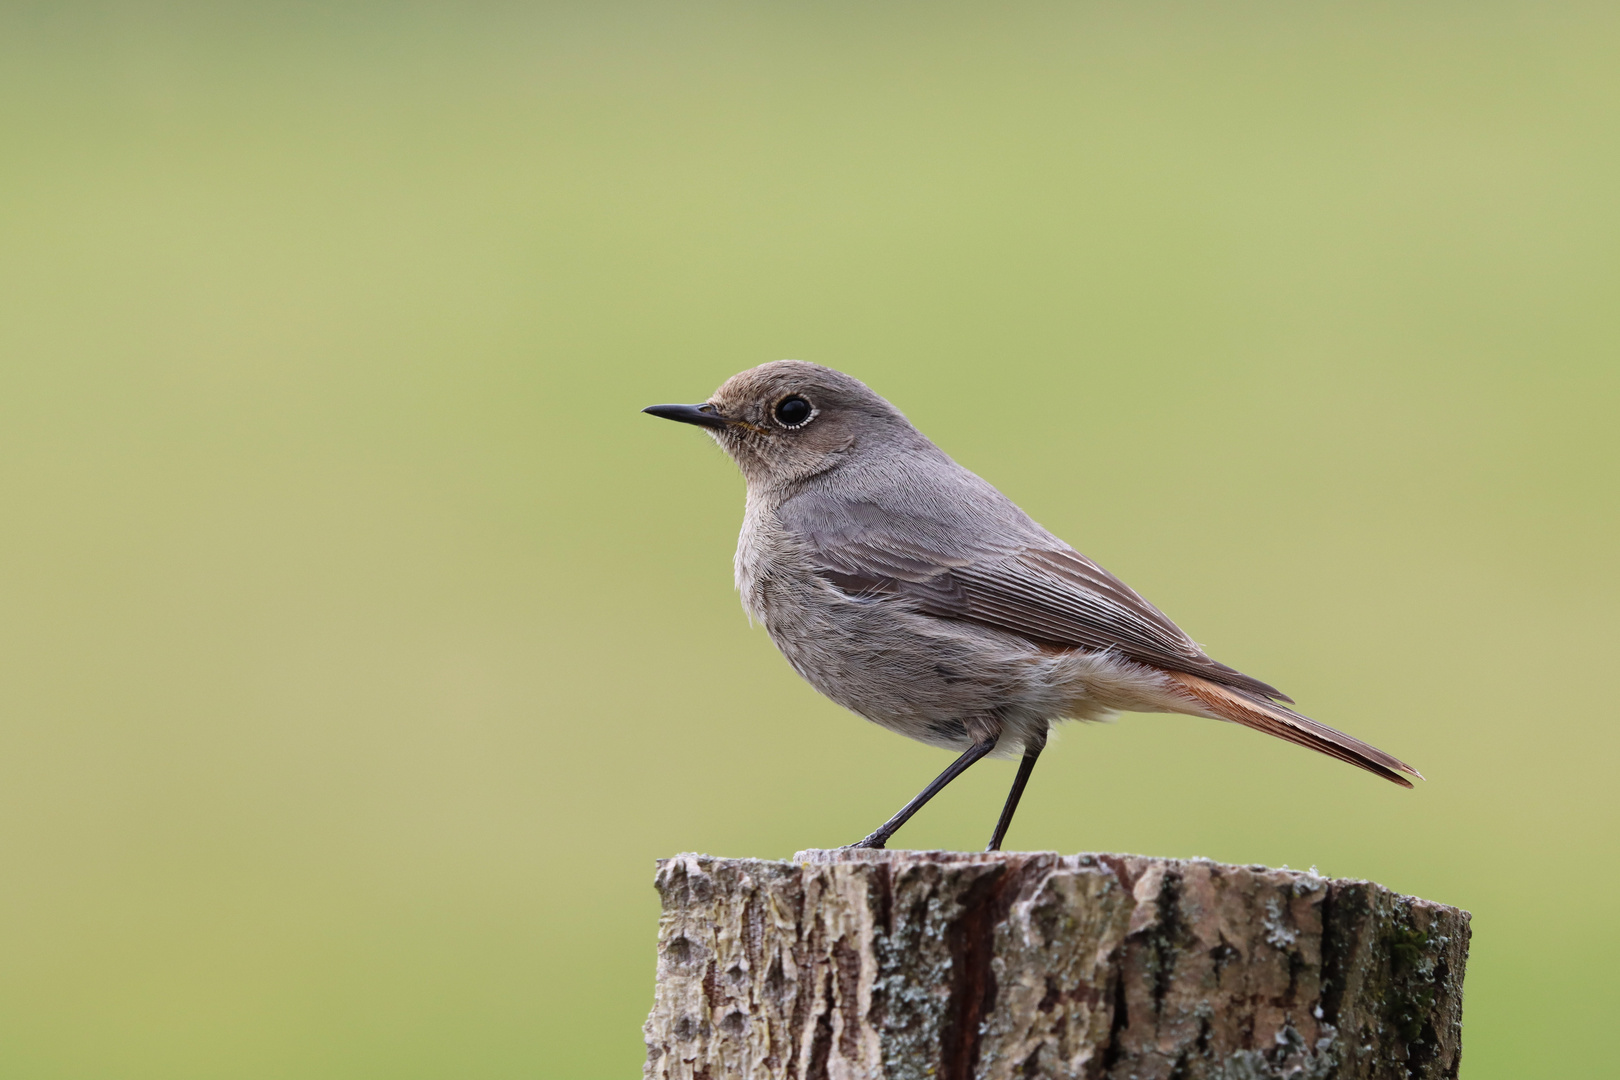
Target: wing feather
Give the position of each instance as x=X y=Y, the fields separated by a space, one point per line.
x=1020 y=578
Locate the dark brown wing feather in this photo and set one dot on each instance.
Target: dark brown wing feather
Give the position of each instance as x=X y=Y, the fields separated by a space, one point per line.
x=1053 y=595
x=1063 y=598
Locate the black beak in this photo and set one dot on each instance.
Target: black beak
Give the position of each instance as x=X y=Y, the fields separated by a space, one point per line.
x=704 y=415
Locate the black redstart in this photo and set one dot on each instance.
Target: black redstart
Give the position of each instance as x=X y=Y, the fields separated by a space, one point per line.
x=910 y=591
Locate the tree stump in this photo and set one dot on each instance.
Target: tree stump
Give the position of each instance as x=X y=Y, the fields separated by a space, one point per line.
x=948 y=966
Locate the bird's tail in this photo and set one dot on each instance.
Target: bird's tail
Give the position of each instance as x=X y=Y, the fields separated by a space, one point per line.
x=1252 y=710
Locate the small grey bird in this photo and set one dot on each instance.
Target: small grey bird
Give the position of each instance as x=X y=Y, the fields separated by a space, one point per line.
x=910 y=591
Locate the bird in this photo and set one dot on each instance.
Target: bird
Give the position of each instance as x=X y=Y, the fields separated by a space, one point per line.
x=912 y=592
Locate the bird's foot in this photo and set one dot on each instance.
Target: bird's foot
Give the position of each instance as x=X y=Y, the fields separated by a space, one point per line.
x=874 y=842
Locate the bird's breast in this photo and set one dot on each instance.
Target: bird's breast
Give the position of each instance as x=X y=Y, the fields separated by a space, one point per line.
x=760 y=535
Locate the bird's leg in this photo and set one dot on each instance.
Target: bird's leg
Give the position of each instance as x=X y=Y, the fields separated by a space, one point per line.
x=1032 y=750
x=957 y=768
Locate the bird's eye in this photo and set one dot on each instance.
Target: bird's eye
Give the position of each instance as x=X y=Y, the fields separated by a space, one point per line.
x=792 y=411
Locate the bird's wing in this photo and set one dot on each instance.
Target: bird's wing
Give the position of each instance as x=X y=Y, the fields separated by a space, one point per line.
x=1045 y=591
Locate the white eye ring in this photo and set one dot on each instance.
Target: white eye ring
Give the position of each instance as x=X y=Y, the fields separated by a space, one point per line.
x=793 y=400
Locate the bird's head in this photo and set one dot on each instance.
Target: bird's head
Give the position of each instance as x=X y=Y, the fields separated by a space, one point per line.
x=786 y=421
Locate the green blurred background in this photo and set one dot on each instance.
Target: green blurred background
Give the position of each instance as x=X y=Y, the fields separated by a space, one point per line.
x=361 y=645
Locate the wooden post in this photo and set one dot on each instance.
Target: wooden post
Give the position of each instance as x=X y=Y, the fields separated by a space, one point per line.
x=847 y=965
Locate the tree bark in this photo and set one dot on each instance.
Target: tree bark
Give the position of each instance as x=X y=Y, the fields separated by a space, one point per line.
x=948 y=966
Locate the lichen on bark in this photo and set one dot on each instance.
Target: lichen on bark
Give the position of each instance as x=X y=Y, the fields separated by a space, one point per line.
x=847 y=965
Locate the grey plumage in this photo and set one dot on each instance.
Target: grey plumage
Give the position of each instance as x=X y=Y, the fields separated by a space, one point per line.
x=912 y=592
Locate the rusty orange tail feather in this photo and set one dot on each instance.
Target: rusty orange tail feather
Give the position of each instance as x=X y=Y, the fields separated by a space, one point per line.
x=1255 y=712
